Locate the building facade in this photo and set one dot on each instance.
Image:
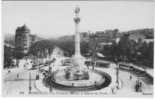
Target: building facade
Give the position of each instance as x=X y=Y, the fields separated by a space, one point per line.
x=22 y=39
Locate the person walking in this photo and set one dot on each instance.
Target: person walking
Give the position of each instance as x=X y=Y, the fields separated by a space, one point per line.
x=140 y=86
x=113 y=90
x=17 y=75
x=130 y=77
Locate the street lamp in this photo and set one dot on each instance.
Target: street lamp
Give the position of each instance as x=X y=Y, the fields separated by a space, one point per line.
x=93 y=39
x=117 y=75
x=30 y=87
x=117 y=66
x=116 y=62
x=50 y=74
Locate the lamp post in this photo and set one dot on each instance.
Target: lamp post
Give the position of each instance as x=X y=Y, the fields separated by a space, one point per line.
x=117 y=75
x=93 y=44
x=117 y=65
x=50 y=74
x=117 y=72
x=30 y=87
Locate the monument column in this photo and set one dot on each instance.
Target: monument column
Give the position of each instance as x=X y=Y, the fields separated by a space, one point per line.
x=78 y=59
x=77 y=35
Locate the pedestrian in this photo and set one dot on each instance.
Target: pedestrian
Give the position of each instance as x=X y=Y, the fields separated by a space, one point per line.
x=72 y=84
x=30 y=88
x=140 y=86
x=87 y=66
x=113 y=90
x=37 y=77
x=9 y=71
x=137 y=86
x=50 y=88
x=117 y=86
x=95 y=84
x=130 y=77
x=17 y=75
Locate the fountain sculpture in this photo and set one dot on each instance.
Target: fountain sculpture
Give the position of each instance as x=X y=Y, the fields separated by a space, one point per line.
x=79 y=69
x=77 y=76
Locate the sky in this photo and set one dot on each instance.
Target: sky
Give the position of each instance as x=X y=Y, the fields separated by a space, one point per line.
x=52 y=19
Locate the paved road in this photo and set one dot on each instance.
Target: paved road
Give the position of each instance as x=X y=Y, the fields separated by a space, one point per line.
x=15 y=86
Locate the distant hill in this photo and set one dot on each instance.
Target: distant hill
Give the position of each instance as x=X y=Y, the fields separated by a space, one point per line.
x=66 y=38
x=38 y=38
x=134 y=34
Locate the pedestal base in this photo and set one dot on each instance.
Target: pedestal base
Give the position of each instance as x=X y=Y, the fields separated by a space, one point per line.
x=76 y=74
x=79 y=61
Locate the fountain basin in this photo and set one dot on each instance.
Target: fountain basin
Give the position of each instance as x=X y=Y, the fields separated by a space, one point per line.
x=73 y=74
x=97 y=80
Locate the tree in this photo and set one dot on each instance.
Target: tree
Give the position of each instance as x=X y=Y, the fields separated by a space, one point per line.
x=41 y=46
x=67 y=46
x=84 y=48
x=150 y=54
x=8 y=57
x=124 y=46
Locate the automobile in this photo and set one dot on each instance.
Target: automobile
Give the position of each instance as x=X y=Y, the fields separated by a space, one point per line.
x=126 y=66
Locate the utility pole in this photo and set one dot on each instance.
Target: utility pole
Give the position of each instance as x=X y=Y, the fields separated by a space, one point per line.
x=50 y=75
x=93 y=39
x=117 y=73
x=30 y=87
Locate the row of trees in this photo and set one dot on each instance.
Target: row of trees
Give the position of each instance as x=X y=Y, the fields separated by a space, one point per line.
x=67 y=46
x=8 y=57
x=128 y=50
x=42 y=49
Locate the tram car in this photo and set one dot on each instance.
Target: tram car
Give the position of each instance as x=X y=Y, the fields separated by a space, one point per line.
x=125 y=66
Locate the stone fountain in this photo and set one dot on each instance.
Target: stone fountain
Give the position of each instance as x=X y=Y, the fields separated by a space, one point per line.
x=79 y=70
x=77 y=76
